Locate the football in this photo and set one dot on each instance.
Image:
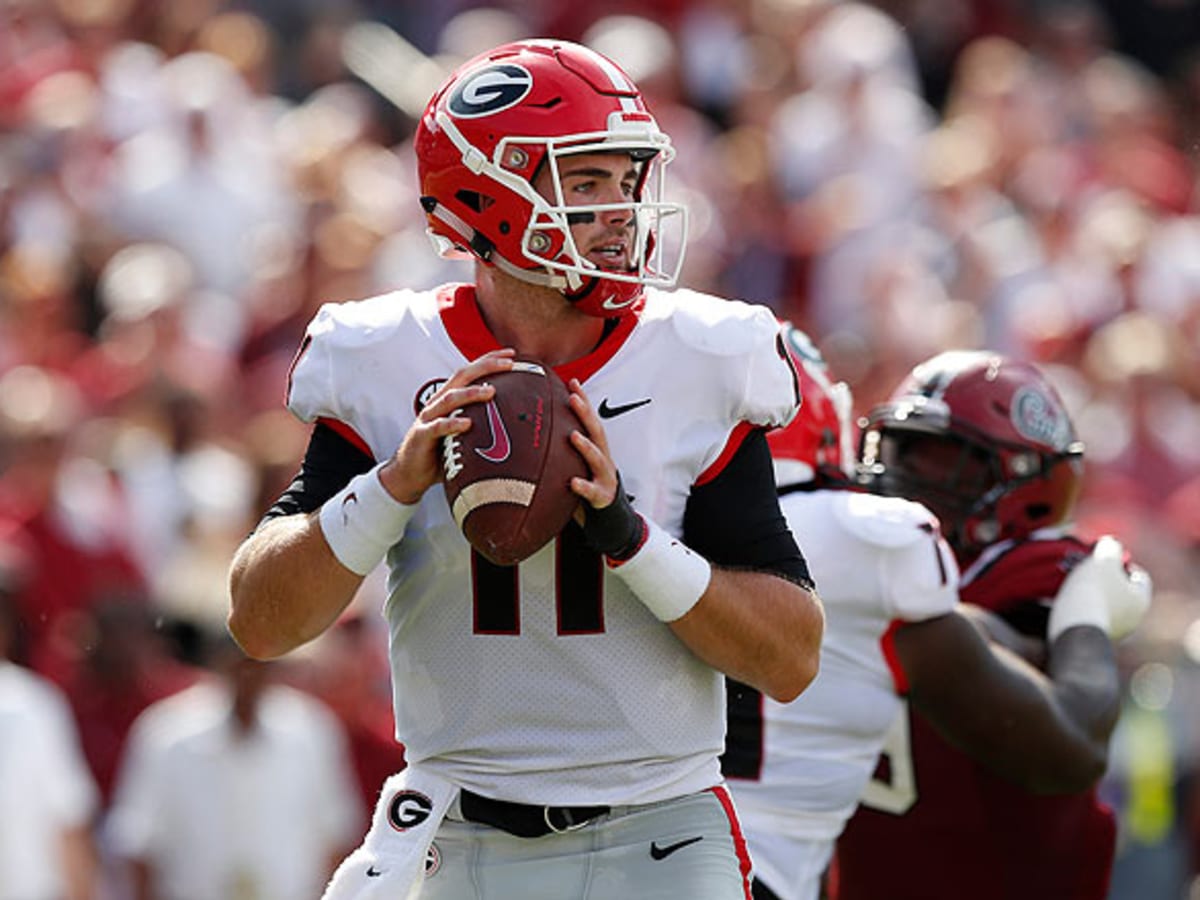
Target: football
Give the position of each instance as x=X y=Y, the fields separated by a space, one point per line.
x=508 y=477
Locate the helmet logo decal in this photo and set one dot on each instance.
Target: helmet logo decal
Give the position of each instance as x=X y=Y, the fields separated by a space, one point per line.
x=490 y=90
x=805 y=348
x=1037 y=418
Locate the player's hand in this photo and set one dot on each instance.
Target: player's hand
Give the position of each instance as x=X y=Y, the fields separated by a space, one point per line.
x=1104 y=590
x=610 y=523
x=417 y=464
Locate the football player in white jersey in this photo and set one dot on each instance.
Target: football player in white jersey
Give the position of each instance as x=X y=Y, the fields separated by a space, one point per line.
x=562 y=718
x=893 y=630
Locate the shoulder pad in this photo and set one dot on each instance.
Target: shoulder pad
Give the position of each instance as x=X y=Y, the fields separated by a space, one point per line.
x=890 y=522
x=343 y=345
x=360 y=321
x=719 y=326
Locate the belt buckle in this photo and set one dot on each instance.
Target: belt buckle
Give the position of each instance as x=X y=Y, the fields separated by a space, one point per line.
x=566 y=811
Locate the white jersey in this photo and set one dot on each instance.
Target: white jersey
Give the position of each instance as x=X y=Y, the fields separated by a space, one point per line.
x=876 y=561
x=219 y=813
x=552 y=684
x=46 y=788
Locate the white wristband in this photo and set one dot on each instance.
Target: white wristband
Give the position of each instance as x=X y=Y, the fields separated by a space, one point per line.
x=666 y=576
x=362 y=520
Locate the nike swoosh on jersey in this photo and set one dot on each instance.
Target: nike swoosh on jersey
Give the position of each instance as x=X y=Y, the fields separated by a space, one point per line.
x=657 y=852
x=607 y=412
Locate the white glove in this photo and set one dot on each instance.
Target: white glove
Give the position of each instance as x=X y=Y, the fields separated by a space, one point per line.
x=1102 y=591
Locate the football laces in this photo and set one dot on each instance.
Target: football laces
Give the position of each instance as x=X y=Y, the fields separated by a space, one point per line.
x=452 y=452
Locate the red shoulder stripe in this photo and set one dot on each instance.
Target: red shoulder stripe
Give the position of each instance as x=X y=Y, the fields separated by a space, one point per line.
x=887 y=643
x=348 y=433
x=736 y=437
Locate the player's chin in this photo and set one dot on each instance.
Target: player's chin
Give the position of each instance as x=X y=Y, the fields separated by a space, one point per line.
x=617 y=268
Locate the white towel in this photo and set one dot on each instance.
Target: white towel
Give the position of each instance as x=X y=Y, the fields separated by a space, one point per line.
x=390 y=862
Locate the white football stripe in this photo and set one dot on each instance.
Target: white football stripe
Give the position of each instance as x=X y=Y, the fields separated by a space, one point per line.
x=629 y=104
x=493 y=490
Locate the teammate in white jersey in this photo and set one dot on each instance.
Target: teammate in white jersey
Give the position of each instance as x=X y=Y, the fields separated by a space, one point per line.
x=562 y=718
x=893 y=629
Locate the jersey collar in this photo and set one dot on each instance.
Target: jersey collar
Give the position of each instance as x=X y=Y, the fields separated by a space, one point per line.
x=465 y=326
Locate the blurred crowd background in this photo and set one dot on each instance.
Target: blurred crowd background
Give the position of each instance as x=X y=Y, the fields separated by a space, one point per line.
x=182 y=184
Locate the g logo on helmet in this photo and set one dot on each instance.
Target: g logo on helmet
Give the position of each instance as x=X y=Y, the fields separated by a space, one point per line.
x=490 y=90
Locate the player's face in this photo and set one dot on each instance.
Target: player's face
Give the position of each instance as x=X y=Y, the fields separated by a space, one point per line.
x=946 y=475
x=592 y=179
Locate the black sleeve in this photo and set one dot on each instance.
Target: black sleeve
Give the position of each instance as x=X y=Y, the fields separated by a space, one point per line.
x=329 y=463
x=735 y=520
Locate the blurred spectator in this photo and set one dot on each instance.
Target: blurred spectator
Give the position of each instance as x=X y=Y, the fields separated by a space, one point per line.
x=205 y=178
x=48 y=800
x=845 y=153
x=236 y=788
x=69 y=516
x=348 y=670
x=123 y=662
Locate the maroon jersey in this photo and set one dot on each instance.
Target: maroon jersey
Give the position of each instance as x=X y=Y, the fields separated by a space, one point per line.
x=961 y=831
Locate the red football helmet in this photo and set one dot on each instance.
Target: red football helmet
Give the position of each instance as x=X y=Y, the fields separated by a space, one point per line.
x=817 y=446
x=495 y=124
x=983 y=440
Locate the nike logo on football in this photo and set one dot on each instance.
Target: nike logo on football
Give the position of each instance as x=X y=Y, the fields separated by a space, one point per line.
x=373 y=872
x=498 y=452
x=607 y=412
x=657 y=852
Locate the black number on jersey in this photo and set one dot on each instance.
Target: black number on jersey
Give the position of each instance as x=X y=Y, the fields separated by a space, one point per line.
x=745 y=740
x=579 y=576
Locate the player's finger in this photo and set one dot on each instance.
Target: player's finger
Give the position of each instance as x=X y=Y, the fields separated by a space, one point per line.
x=448 y=399
x=600 y=489
x=587 y=415
x=488 y=364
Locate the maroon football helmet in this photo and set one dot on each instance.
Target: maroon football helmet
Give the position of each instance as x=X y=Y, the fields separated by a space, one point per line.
x=983 y=440
x=817 y=445
x=504 y=117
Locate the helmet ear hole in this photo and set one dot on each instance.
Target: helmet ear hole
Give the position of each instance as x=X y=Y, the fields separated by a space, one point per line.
x=473 y=200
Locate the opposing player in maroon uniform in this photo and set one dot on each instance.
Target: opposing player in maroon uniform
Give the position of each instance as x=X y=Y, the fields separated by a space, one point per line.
x=985 y=443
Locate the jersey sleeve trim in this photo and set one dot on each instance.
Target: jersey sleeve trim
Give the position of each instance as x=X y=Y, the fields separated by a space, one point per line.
x=887 y=643
x=736 y=438
x=291 y=373
x=345 y=431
